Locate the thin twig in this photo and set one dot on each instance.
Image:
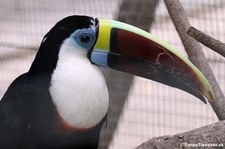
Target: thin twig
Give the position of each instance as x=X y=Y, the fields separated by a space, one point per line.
x=195 y=53
x=207 y=40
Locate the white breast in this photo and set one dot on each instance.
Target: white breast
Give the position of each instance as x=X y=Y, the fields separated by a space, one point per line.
x=78 y=88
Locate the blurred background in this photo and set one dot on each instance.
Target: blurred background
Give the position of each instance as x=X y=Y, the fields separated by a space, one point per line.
x=139 y=109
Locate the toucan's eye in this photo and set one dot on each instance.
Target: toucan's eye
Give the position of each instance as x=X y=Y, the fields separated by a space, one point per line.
x=85 y=37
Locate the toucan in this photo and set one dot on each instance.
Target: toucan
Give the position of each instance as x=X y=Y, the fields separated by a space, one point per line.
x=62 y=101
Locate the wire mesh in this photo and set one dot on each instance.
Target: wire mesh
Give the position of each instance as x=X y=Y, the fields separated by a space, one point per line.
x=152 y=109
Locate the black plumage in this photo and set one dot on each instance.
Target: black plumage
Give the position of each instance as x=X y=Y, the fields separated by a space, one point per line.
x=28 y=117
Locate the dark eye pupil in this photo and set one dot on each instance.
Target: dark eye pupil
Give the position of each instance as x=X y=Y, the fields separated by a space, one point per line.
x=85 y=38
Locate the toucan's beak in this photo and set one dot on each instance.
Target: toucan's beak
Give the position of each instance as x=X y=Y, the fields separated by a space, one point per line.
x=129 y=49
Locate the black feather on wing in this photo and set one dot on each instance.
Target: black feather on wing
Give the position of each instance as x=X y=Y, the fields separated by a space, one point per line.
x=16 y=110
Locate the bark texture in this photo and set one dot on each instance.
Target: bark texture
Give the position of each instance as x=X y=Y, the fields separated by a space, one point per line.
x=211 y=136
x=207 y=40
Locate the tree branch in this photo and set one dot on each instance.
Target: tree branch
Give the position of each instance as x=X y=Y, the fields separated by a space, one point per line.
x=195 y=53
x=207 y=40
x=209 y=136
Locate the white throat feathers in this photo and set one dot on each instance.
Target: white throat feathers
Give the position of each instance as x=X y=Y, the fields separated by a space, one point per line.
x=78 y=88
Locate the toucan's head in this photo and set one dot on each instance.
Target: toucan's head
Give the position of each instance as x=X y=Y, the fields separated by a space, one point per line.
x=123 y=47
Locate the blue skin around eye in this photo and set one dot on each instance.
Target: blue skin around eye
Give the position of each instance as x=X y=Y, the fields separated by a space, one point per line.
x=88 y=32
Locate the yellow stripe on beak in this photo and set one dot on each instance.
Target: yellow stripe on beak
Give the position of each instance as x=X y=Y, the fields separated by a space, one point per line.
x=103 y=41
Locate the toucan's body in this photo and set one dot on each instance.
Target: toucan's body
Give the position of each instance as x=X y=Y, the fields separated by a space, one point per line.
x=62 y=101
x=33 y=121
x=31 y=118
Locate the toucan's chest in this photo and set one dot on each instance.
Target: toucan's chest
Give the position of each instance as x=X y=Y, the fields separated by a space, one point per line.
x=78 y=90
x=57 y=134
x=49 y=130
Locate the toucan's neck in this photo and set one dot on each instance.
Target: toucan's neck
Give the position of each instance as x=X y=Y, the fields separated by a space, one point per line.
x=46 y=58
x=78 y=88
x=47 y=55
